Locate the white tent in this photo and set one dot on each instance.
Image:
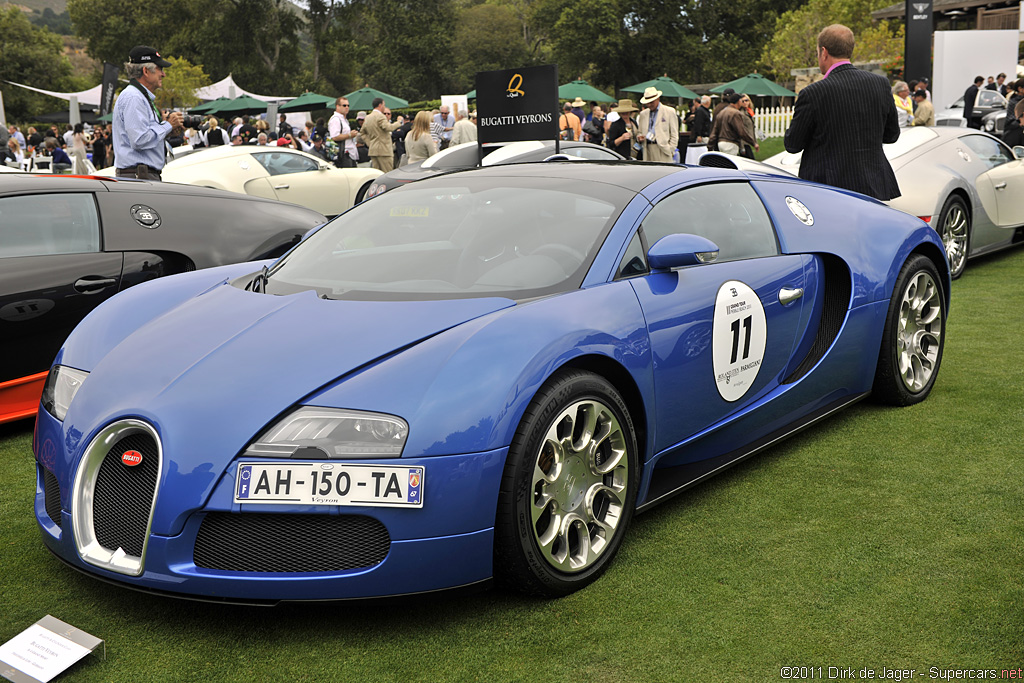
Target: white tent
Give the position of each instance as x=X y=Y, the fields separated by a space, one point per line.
x=223 y=88
x=227 y=87
x=90 y=97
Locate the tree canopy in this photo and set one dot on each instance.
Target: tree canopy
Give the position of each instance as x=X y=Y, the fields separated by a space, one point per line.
x=422 y=49
x=32 y=56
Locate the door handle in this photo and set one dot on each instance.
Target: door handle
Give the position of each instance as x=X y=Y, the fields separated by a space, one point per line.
x=281 y=187
x=788 y=295
x=1001 y=186
x=87 y=286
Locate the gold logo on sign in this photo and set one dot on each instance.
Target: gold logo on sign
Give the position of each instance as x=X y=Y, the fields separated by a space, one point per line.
x=515 y=86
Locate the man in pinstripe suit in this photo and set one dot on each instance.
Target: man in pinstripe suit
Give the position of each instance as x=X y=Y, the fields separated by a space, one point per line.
x=841 y=121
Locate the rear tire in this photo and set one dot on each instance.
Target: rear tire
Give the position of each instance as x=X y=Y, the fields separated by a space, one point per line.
x=914 y=335
x=955 y=231
x=569 y=487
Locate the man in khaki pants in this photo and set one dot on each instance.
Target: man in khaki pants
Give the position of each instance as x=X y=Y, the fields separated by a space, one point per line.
x=376 y=132
x=657 y=127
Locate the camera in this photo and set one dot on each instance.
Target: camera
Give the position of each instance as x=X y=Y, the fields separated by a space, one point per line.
x=191 y=120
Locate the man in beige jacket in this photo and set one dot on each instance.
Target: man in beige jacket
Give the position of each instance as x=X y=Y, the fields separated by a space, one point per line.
x=657 y=127
x=376 y=132
x=924 y=114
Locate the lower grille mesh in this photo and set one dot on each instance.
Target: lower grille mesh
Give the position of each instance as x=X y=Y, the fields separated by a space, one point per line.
x=124 y=495
x=289 y=543
x=51 y=496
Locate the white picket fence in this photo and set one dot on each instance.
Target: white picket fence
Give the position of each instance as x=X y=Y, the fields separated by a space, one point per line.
x=772 y=122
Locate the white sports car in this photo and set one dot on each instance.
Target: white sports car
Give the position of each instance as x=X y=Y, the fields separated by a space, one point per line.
x=271 y=172
x=966 y=184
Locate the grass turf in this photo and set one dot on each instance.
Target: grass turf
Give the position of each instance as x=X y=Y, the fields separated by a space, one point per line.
x=880 y=538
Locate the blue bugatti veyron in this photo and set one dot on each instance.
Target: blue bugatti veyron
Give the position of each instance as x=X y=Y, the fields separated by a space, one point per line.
x=483 y=374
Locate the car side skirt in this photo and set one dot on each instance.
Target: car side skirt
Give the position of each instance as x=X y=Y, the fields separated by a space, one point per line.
x=19 y=398
x=670 y=481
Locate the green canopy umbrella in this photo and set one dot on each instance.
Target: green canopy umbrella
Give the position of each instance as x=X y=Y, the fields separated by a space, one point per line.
x=208 y=106
x=240 y=105
x=755 y=84
x=580 y=88
x=666 y=85
x=363 y=99
x=471 y=95
x=308 y=101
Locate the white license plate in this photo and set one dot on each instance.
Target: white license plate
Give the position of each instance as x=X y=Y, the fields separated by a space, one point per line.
x=323 y=483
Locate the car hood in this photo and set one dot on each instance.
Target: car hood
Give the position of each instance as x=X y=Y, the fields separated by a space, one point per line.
x=213 y=372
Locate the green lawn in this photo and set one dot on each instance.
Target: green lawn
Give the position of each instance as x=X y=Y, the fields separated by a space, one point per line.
x=880 y=538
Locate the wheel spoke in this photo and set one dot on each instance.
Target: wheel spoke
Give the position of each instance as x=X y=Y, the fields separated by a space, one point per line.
x=919 y=331
x=580 y=477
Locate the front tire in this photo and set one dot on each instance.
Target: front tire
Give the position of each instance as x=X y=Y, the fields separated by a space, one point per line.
x=914 y=335
x=955 y=231
x=569 y=487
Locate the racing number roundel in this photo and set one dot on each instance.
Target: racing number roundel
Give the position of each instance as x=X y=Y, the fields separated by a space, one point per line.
x=738 y=339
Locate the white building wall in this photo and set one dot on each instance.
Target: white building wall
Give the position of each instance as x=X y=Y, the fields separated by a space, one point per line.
x=962 y=55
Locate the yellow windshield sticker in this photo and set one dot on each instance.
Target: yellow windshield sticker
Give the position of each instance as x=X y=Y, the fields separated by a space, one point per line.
x=410 y=211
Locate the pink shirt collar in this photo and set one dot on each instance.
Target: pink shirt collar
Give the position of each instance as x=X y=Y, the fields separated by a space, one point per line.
x=839 y=63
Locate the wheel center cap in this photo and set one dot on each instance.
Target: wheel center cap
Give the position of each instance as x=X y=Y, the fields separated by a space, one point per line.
x=572 y=483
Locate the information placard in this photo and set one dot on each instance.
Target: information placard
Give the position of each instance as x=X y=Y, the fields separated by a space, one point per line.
x=44 y=650
x=517 y=104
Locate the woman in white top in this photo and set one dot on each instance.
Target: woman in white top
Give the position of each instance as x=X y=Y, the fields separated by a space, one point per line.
x=419 y=145
x=78 y=151
x=14 y=156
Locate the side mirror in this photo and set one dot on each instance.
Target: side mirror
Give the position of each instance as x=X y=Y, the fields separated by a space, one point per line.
x=324 y=167
x=673 y=251
x=1018 y=151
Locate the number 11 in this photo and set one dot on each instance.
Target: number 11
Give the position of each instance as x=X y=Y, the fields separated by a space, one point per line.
x=736 y=338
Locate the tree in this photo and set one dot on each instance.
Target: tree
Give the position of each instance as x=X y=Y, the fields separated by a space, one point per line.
x=594 y=44
x=487 y=38
x=404 y=46
x=795 y=43
x=112 y=27
x=180 y=84
x=31 y=56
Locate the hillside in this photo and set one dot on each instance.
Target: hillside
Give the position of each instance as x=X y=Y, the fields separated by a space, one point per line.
x=57 y=6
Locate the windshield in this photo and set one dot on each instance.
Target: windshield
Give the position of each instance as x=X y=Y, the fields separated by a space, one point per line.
x=457 y=236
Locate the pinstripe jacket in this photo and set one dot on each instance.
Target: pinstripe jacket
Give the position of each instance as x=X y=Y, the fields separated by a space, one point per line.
x=840 y=123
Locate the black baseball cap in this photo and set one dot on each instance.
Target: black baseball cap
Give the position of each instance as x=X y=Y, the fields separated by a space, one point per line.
x=143 y=54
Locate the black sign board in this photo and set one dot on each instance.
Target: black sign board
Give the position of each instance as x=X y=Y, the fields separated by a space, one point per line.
x=107 y=92
x=517 y=104
x=918 y=43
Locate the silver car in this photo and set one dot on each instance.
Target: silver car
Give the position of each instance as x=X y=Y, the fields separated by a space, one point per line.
x=987 y=102
x=965 y=183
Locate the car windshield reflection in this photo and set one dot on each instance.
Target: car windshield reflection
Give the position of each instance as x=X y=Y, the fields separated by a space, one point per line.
x=457 y=237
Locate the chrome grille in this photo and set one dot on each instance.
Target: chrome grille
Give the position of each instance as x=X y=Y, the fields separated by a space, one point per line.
x=123 y=495
x=262 y=542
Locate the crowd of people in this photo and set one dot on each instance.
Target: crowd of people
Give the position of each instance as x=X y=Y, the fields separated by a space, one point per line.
x=651 y=132
x=64 y=152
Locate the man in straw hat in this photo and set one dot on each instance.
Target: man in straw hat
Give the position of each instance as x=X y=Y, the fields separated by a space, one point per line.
x=659 y=127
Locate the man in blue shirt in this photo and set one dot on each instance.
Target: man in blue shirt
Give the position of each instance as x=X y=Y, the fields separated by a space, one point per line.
x=138 y=127
x=447 y=122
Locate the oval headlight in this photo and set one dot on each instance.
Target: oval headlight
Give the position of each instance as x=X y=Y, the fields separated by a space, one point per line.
x=317 y=433
x=60 y=388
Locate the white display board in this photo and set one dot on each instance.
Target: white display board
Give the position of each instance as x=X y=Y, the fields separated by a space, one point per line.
x=962 y=55
x=455 y=103
x=44 y=650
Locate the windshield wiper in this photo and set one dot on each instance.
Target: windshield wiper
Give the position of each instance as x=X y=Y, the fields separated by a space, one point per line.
x=259 y=283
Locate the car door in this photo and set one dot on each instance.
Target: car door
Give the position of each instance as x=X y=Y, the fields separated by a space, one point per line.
x=52 y=274
x=988 y=101
x=1001 y=185
x=723 y=333
x=300 y=179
